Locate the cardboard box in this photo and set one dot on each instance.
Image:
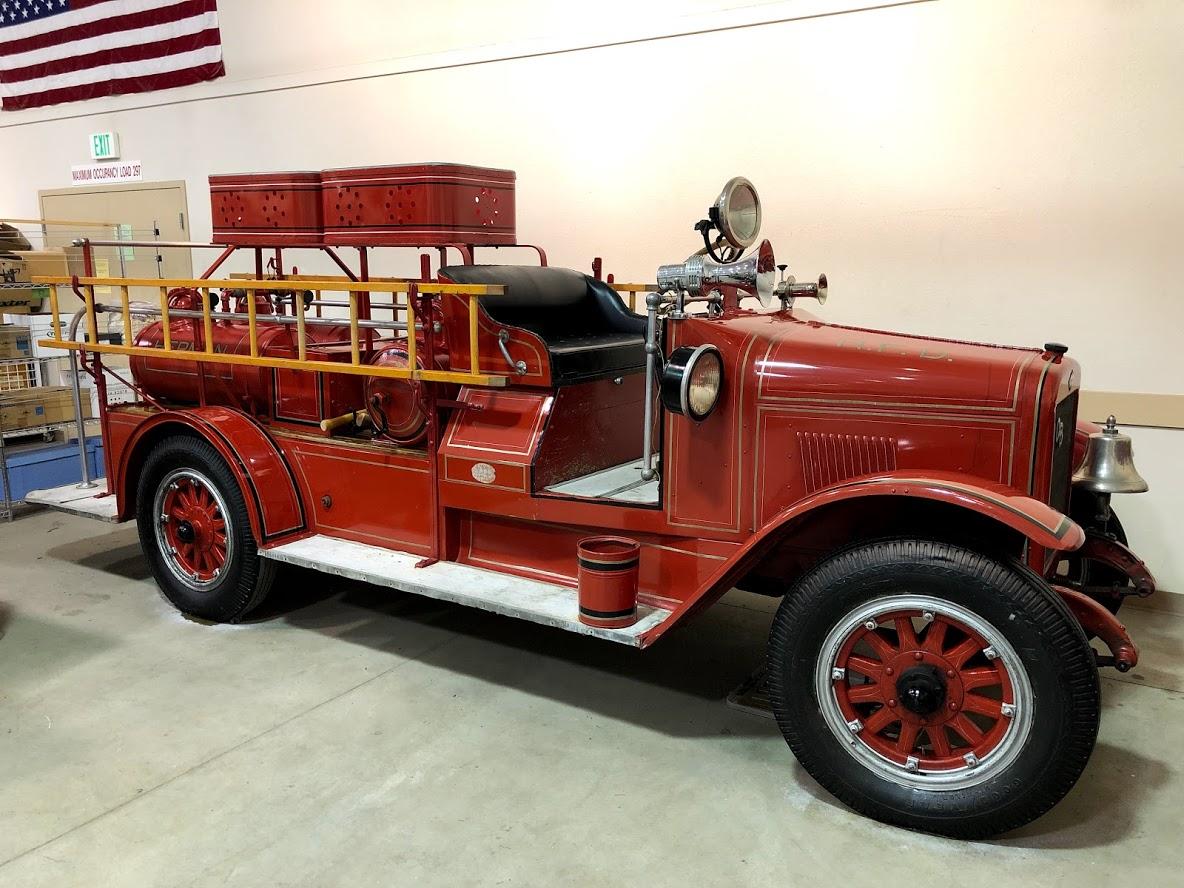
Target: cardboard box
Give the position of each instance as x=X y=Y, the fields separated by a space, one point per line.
x=21 y=410
x=43 y=405
x=12 y=238
x=62 y=261
x=58 y=404
x=15 y=299
x=14 y=342
x=20 y=266
x=40 y=326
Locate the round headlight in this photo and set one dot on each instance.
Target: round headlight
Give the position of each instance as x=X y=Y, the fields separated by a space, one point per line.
x=691 y=381
x=739 y=213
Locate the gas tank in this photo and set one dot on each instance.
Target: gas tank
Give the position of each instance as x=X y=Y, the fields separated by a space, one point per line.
x=177 y=381
x=250 y=388
x=397 y=405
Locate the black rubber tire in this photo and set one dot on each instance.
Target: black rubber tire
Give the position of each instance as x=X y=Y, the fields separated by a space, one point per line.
x=246 y=578
x=1019 y=605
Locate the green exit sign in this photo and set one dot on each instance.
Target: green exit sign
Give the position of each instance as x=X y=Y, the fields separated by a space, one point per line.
x=104 y=146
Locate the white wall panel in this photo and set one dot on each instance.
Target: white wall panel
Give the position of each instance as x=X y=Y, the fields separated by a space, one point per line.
x=1002 y=170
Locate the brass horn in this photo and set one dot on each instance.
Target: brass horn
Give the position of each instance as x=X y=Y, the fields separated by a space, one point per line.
x=1109 y=464
x=755 y=274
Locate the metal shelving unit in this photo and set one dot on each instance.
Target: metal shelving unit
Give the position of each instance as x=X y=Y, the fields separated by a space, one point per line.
x=62 y=232
x=45 y=430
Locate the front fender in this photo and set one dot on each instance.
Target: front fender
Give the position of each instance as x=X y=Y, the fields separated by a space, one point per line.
x=1037 y=521
x=1032 y=519
x=267 y=484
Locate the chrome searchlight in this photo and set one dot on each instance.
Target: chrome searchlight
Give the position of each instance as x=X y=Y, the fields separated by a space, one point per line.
x=737 y=212
x=691 y=381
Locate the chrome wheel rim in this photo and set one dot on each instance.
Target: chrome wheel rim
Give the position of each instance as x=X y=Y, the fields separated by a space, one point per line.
x=924 y=692
x=193 y=533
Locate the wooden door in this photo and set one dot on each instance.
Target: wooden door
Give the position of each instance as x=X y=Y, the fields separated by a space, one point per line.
x=147 y=211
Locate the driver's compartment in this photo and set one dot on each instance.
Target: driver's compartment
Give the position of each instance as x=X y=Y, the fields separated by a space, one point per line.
x=591 y=445
x=589 y=332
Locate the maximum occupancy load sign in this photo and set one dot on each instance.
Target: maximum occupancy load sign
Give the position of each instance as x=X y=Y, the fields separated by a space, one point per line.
x=101 y=173
x=54 y=51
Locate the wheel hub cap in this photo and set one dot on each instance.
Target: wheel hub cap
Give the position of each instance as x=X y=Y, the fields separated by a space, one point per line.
x=185 y=532
x=921 y=690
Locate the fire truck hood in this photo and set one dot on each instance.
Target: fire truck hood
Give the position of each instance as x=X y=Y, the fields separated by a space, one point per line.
x=812 y=362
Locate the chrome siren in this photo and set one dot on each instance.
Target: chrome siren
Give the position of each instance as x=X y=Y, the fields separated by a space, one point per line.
x=755 y=274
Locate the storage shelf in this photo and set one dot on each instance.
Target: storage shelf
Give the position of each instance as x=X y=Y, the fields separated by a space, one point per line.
x=42 y=429
x=28 y=359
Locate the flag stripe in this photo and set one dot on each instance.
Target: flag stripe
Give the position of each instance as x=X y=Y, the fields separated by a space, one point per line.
x=101 y=20
x=78 y=12
x=113 y=40
x=135 y=52
x=167 y=80
x=146 y=68
x=55 y=51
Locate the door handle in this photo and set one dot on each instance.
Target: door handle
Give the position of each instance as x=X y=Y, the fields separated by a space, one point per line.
x=503 y=336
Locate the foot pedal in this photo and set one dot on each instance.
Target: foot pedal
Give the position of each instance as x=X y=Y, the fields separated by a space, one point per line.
x=752 y=696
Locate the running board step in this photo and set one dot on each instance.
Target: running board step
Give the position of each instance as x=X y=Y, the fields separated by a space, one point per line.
x=90 y=502
x=539 y=602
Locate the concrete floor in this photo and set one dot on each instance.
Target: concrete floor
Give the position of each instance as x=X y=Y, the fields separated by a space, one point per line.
x=351 y=736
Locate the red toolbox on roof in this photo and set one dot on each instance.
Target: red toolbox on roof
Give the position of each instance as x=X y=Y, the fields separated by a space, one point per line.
x=423 y=203
x=267 y=209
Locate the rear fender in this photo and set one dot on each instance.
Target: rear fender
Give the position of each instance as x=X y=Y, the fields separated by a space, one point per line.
x=1033 y=520
x=266 y=481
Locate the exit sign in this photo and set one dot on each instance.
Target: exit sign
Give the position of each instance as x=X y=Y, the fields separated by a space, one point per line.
x=104 y=146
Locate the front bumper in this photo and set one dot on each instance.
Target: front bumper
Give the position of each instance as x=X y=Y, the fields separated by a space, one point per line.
x=1094 y=606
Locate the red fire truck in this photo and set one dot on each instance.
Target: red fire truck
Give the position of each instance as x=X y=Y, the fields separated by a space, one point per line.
x=611 y=458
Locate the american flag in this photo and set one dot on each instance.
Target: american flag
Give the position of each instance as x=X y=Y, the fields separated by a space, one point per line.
x=55 y=51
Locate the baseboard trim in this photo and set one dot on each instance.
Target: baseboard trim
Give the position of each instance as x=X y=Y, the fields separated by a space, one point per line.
x=1134 y=408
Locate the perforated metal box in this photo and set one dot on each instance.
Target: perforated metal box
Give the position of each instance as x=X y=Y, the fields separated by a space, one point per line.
x=267 y=209
x=419 y=204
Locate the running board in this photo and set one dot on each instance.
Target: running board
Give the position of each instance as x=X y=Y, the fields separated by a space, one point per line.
x=539 y=602
x=89 y=502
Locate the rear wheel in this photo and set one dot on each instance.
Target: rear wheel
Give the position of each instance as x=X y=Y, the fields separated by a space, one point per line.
x=934 y=688
x=194 y=528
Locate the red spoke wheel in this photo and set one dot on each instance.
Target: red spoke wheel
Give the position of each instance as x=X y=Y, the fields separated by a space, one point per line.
x=932 y=695
x=196 y=531
x=933 y=687
x=191 y=525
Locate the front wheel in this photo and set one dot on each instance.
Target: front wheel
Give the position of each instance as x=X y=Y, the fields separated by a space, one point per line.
x=934 y=688
x=196 y=532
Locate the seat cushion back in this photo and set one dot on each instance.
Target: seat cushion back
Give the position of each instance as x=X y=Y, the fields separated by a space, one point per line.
x=586 y=327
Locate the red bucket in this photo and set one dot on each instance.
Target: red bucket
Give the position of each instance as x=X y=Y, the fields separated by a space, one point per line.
x=608 y=581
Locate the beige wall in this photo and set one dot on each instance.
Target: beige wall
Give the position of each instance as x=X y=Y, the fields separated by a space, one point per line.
x=999 y=169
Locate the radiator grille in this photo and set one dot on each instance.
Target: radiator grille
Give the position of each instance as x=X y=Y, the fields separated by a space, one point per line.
x=829 y=459
x=1064 y=426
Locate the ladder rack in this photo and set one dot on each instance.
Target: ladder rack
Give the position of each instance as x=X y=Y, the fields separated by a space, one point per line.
x=84 y=287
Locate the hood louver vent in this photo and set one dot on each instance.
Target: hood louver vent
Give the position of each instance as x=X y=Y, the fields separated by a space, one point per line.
x=830 y=459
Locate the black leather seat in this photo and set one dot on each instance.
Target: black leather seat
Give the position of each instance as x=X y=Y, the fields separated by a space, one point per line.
x=587 y=328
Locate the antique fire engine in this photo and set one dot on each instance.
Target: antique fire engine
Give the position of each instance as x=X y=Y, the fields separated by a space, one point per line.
x=933 y=515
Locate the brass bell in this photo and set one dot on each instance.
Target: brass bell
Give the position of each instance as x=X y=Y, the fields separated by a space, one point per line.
x=1109 y=464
